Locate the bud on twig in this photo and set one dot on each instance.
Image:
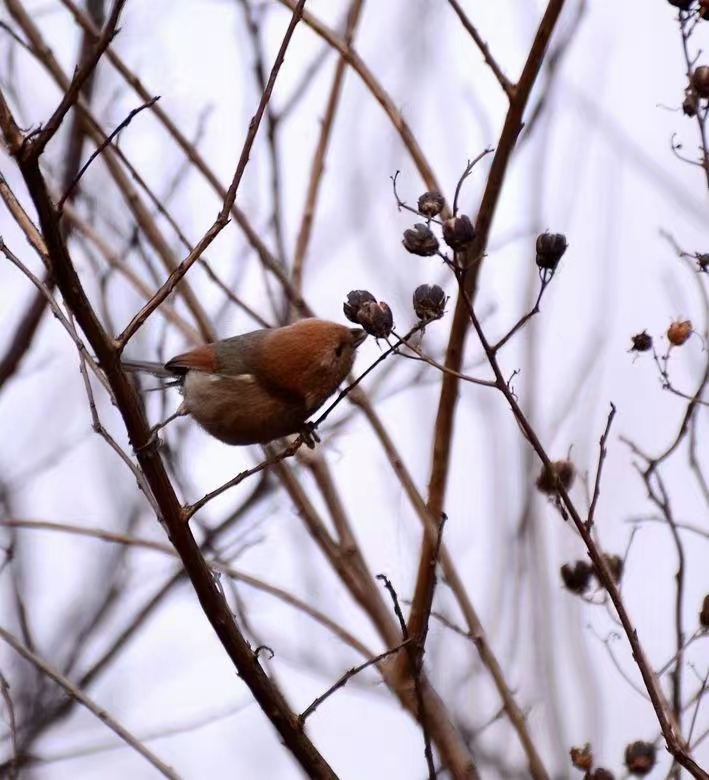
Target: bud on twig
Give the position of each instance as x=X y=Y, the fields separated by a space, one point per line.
x=419 y=240
x=431 y=203
x=577 y=577
x=678 y=332
x=429 y=302
x=582 y=757
x=601 y=774
x=550 y=249
x=689 y=104
x=704 y=614
x=376 y=319
x=642 y=342
x=354 y=302
x=458 y=232
x=640 y=758
x=700 y=81
x=560 y=472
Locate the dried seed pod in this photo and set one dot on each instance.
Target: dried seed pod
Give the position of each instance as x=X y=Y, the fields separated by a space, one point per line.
x=431 y=203
x=458 y=232
x=419 y=240
x=642 y=342
x=702 y=258
x=601 y=774
x=561 y=472
x=704 y=614
x=577 y=577
x=700 y=81
x=376 y=319
x=704 y=9
x=683 y=4
x=640 y=758
x=550 y=249
x=429 y=302
x=689 y=104
x=615 y=564
x=355 y=299
x=678 y=332
x=582 y=757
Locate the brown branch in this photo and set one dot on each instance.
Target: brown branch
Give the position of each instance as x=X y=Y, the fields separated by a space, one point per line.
x=211 y=597
x=38 y=142
x=223 y=218
x=415 y=658
x=345 y=678
x=471 y=260
x=601 y=460
x=90 y=705
x=676 y=744
x=114 y=161
x=504 y=82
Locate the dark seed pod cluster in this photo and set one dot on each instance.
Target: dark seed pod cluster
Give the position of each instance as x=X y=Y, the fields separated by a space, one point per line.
x=582 y=757
x=601 y=774
x=640 y=758
x=374 y=316
x=419 y=240
x=354 y=302
x=704 y=614
x=458 y=232
x=642 y=342
x=429 y=302
x=702 y=258
x=700 y=81
x=689 y=104
x=560 y=472
x=550 y=249
x=577 y=576
x=704 y=9
x=431 y=203
x=682 y=4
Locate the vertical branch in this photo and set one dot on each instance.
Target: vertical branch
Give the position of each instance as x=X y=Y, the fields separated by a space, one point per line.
x=471 y=260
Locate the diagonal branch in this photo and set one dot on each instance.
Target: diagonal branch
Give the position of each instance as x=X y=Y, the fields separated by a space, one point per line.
x=223 y=218
x=508 y=87
x=471 y=261
x=79 y=695
x=37 y=144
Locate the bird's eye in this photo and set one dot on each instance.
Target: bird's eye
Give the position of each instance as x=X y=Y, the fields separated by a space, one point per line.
x=338 y=350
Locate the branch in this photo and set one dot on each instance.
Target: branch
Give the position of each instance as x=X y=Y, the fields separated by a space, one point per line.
x=223 y=218
x=37 y=144
x=504 y=82
x=90 y=705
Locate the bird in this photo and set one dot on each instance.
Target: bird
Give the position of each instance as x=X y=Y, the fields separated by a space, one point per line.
x=263 y=385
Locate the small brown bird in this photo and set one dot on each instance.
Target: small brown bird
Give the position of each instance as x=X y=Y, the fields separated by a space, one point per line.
x=259 y=386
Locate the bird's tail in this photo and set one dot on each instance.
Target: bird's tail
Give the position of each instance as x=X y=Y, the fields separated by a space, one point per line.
x=149 y=367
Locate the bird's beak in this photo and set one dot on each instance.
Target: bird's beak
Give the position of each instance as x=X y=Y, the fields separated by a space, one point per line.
x=358 y=335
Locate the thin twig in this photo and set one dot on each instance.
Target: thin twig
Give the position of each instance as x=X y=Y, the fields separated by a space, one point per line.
x=415 y=662
x=504 y=82
x=223 y=218
x=99 y=149
x=38 y=142
x=90 y=705
x=346 y=677
x=603 y=452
